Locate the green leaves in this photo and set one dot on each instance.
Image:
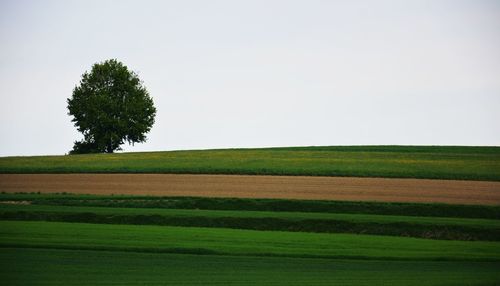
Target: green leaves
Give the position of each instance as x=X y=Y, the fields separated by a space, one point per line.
x=110 y=106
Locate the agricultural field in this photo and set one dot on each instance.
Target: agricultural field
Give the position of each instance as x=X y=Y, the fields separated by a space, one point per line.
x=245 y=241
x=432 y=162
x=28 y=266
x=257 y=186
x=91 y=229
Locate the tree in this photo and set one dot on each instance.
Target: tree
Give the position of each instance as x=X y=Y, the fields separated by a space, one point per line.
x=110 y=106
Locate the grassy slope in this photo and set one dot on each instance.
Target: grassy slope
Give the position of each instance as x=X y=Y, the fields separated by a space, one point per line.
x=74 y=267
x=80 y=236
x=469 y=163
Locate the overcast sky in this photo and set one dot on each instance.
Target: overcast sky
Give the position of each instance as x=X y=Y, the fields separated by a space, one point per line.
x=259 y=73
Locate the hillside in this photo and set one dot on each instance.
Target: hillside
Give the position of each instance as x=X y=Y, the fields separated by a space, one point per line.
x=431 y=162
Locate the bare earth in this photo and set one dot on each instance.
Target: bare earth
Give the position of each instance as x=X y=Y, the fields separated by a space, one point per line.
x=290 y=187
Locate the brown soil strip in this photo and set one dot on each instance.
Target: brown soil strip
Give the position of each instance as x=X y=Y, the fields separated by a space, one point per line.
x=289 y=187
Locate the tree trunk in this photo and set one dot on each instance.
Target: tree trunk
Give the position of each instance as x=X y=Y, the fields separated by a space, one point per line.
x=109 y=149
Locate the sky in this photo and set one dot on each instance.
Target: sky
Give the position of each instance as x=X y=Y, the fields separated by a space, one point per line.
x=228 y=74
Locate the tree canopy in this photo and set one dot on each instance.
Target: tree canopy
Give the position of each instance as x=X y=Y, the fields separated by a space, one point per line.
x=110 y=106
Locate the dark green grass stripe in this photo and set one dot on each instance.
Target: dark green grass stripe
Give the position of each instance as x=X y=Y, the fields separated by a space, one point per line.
x=272 y=205
x=20 y=266
x=206 y=251
x=444 y=221
x=435 y=228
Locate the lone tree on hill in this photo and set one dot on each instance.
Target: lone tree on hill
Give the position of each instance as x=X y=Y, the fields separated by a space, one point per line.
x=110 y=106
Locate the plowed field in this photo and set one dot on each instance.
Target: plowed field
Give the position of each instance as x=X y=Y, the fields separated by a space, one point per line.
x=290 y=187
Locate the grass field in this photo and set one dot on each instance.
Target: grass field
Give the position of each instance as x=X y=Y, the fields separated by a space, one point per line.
x=61 y=239
x=24 y=266
x=268 y=205
x=46 y=239
x=434 y=162
x=410 y=226
x=194 y=240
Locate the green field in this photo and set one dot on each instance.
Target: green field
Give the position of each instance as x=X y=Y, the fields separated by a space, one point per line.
x=269 y=205
x=24 y=266
x=435 y=162
x=53 y=239
x=52 y=253
x=61 y=239
x=221 y=241
x=423 y=227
